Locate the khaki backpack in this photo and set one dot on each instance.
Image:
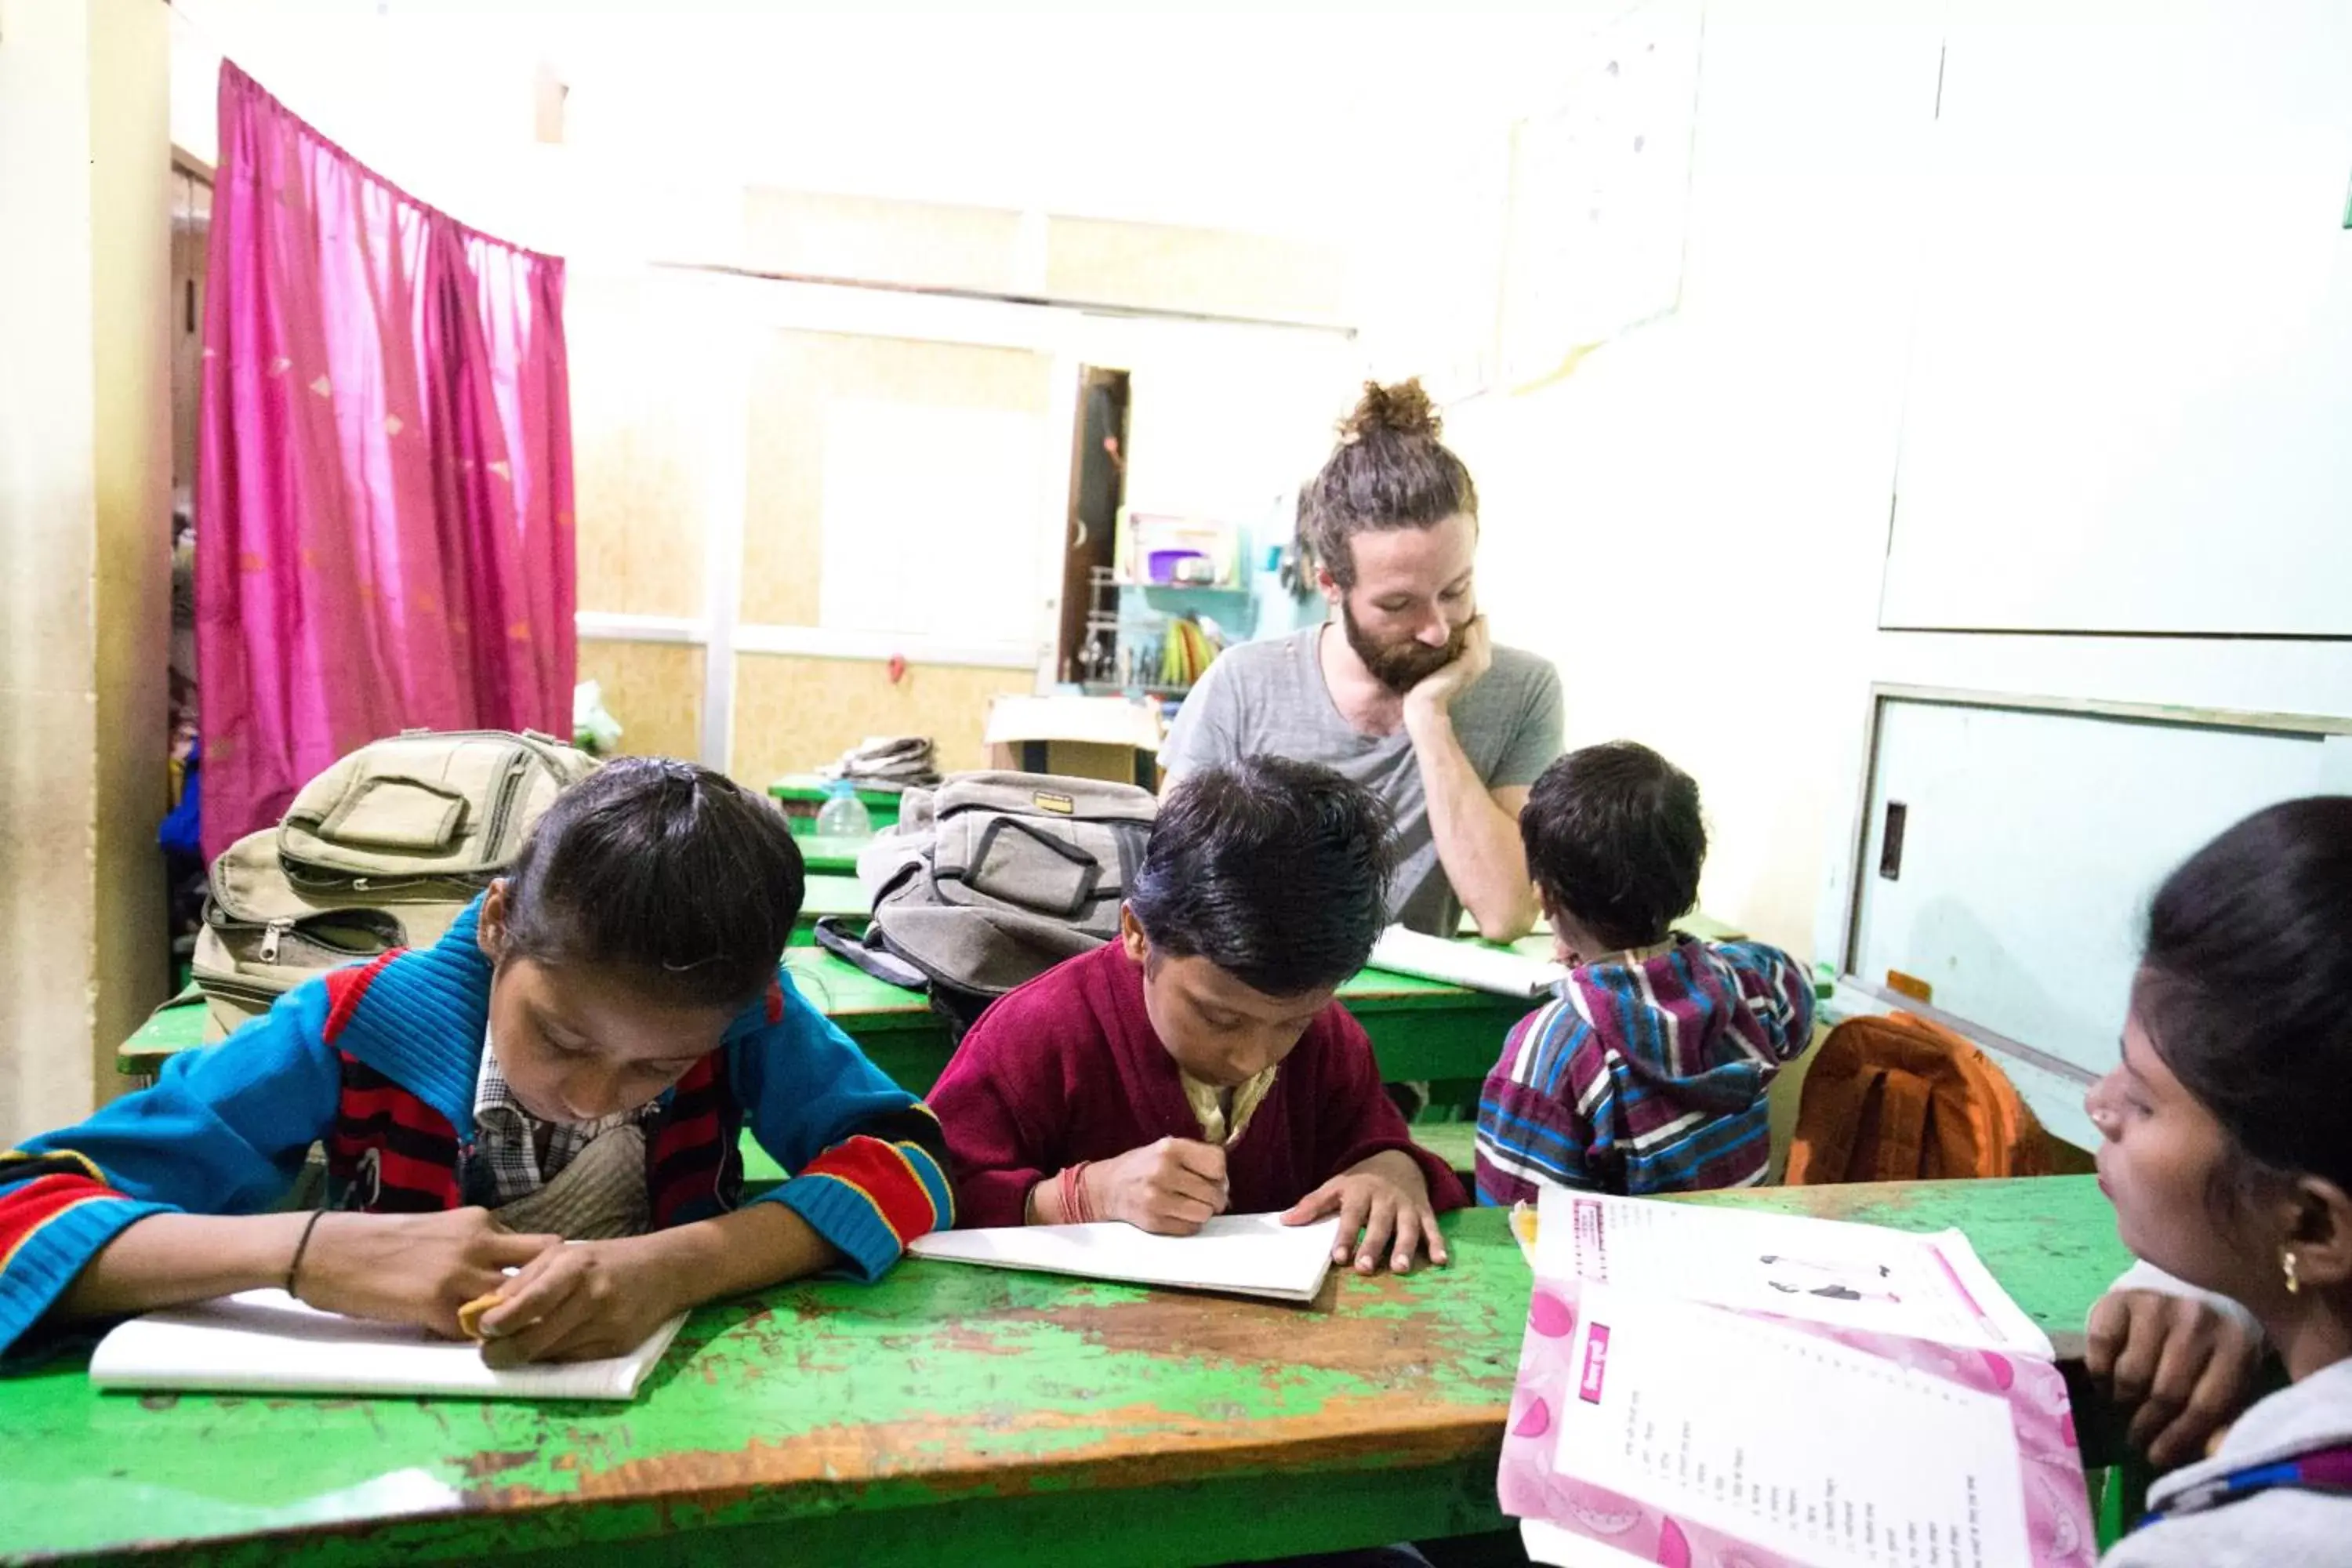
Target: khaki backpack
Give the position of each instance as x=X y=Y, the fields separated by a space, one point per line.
x=385 y=850
x=997 y=877
x=1898 y=1099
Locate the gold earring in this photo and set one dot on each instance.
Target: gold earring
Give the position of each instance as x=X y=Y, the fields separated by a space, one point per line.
x=2286 y=1261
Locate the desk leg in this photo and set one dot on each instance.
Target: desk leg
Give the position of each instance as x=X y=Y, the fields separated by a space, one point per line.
x=2119 y=1496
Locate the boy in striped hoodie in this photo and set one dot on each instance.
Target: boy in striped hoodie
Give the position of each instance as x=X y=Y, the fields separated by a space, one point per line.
x=1647 y=1071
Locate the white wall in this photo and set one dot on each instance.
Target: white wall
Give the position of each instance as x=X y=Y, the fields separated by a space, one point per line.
x=1693 y=522
x=1690 y=526
x=2137 y=294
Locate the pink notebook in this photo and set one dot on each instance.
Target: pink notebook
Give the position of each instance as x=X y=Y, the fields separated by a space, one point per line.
x=1672 y=1425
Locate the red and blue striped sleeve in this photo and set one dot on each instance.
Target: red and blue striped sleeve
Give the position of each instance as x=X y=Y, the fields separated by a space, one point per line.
x=868 y=1162
x=223 y=1131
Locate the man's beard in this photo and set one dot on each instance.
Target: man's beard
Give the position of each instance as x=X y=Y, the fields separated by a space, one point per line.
x=1402 y=665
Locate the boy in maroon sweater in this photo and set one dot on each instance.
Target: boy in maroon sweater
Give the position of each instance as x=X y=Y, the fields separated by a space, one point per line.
x=1200 y=1065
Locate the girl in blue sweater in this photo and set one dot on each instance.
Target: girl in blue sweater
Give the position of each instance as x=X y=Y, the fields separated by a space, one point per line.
x=574 y=1061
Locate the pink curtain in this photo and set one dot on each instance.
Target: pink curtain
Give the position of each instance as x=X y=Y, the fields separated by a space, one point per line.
x=383 y=497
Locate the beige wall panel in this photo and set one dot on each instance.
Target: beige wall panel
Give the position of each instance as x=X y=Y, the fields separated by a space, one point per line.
x=85 y=467
x=655 y=690
x=1170 y=268
x=131 y=345
x=794 y=375
x=642 y=464
x=794 y=714
x=47 y=912
x=821 y=236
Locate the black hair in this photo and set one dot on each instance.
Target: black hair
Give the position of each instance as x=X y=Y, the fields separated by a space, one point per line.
x=2245 y=985
x=1389 y=470
x=1276 y=871
x=674 y=877
x=1614 y=838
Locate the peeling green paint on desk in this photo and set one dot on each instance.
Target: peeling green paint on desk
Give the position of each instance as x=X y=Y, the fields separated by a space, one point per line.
x=947 y=1414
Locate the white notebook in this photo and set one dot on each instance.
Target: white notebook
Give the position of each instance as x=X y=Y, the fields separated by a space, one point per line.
x=265 y=1341
x=1475 y=964
x=1237 y=1254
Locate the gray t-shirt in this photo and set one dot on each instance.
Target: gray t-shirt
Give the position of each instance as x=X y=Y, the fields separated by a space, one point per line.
x=1270 y=697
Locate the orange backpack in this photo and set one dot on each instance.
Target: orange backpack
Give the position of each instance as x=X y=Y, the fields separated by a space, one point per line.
x=1898 y=1099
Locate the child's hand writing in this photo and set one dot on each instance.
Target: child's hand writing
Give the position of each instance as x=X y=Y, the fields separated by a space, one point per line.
x=1171 y=1187
x=412 y=1268
x=2184 y=1368
x=581 y=1302
x=1381 y=1198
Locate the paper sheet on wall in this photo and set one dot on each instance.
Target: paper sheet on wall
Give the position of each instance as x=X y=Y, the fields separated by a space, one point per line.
x=934 y=521
x=1928 y=1287
x=1601 y=192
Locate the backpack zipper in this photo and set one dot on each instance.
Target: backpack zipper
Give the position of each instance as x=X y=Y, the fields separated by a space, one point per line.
x=270 y=934
x=502 y=808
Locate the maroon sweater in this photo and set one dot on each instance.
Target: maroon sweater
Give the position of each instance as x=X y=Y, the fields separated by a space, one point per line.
x=1067 y=1069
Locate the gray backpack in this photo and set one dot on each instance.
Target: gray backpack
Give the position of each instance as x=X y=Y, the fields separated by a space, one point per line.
x=385 y=850
x=998 y=877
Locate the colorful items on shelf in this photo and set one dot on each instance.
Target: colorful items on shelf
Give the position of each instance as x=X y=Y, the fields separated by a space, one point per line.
x=1184 y=653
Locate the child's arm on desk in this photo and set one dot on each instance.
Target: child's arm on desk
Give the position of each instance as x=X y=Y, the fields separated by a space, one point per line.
x=868 y=1165
x=163 y=1196
x=403 y=1268
x=598 y=1299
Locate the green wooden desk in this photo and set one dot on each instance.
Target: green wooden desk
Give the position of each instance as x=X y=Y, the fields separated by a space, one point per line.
x=826 y=855
x=829 y=894
x=1419 y=1029
x=1422 y=1029
x=949 y=1414
x=800 y=795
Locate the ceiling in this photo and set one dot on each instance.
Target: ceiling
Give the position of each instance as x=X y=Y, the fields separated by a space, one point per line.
x=1338 y=124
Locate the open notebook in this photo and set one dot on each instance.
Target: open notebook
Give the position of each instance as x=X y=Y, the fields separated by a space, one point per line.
x=265 y=1341
x=1708 y=1384
x=1478 y=965
x=1234 y=1254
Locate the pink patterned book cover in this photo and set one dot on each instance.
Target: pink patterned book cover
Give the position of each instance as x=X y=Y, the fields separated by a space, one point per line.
x=1655 y=1429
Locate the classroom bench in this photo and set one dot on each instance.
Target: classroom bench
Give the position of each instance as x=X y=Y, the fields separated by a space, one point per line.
x=948 y=1414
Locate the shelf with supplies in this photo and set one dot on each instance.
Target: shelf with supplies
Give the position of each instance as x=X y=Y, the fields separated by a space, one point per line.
x=1148 y=689
x=1157 y=639
x=1235 y=590
x=1178 y=591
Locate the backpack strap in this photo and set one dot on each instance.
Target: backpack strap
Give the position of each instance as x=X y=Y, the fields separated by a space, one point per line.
x=1906 y=1124
x=2328 y=1469
x=1823 y=1142
x=833 y=934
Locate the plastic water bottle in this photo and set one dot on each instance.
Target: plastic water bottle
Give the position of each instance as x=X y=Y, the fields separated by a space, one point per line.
x=843 y=815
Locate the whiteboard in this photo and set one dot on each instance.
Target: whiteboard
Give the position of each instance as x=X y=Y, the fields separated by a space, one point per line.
x=2031 y=842
x=927 y=515
x=2132 y=372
